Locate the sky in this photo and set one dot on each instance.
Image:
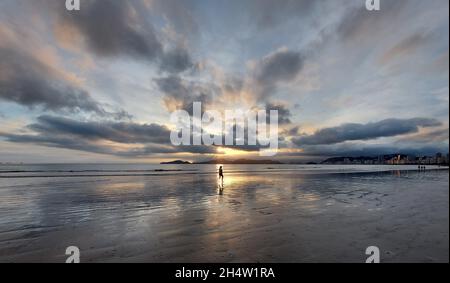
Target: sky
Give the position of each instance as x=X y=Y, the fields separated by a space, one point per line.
x=99 y=84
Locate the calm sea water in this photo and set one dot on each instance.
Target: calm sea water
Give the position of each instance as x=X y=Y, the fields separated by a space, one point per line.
x=86 y=170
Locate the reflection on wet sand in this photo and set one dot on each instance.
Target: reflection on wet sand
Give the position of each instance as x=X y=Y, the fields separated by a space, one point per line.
x=249 y=217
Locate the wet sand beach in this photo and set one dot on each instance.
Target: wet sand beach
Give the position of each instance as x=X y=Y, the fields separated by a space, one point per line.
x=267 y=216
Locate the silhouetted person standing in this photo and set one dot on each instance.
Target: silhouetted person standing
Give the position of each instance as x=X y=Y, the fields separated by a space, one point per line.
x=221 y=173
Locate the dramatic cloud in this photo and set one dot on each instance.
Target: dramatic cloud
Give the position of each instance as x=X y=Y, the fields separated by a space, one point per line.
x=67 y=142
x=176 y=61
x=336 y=59
x=284 y=114
x=121 y=132
x=281 y=66
x=181 y=94
x=353 y=132
x=109 y=28
x=114 y=28
x=129 y=139
x=29 y=82
x=64 y=142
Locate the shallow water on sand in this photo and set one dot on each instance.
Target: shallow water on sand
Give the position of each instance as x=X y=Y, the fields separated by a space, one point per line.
x=261 y=216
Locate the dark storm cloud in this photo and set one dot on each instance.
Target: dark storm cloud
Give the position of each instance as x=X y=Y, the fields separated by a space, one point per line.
x=114 y=28
x=29 y=82
x=86 y=145
x=181 y=94
x=281 y=66
x=121 y=132
x=144 y=139
x=64 y=142
x=294 y=131
x=176 y=61
x=353 y=132
x=109 y=29
x=284 y=114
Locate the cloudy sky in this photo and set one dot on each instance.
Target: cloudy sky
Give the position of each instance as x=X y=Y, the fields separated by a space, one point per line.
x=99 y=84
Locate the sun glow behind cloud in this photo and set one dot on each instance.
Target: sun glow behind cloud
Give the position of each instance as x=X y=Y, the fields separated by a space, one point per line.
x=129 y=71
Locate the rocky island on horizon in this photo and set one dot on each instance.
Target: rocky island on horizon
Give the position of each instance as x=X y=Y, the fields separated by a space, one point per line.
x=176 y=162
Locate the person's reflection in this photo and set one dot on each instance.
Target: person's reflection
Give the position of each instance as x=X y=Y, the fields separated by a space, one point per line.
x=221 y=188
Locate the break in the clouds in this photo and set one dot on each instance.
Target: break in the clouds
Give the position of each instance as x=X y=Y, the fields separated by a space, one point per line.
x=104 y=79
x=354 y=132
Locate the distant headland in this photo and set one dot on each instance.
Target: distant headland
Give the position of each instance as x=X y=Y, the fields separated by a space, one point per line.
x=176 y=162
x=390 y=159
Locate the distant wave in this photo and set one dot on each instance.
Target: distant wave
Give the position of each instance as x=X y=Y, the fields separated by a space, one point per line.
x=169 y=172
x=93 y=171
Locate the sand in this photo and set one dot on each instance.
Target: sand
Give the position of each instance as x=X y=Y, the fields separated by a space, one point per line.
x=261 y=217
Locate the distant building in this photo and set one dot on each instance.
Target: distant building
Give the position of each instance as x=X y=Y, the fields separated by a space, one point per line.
x=392 y=159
